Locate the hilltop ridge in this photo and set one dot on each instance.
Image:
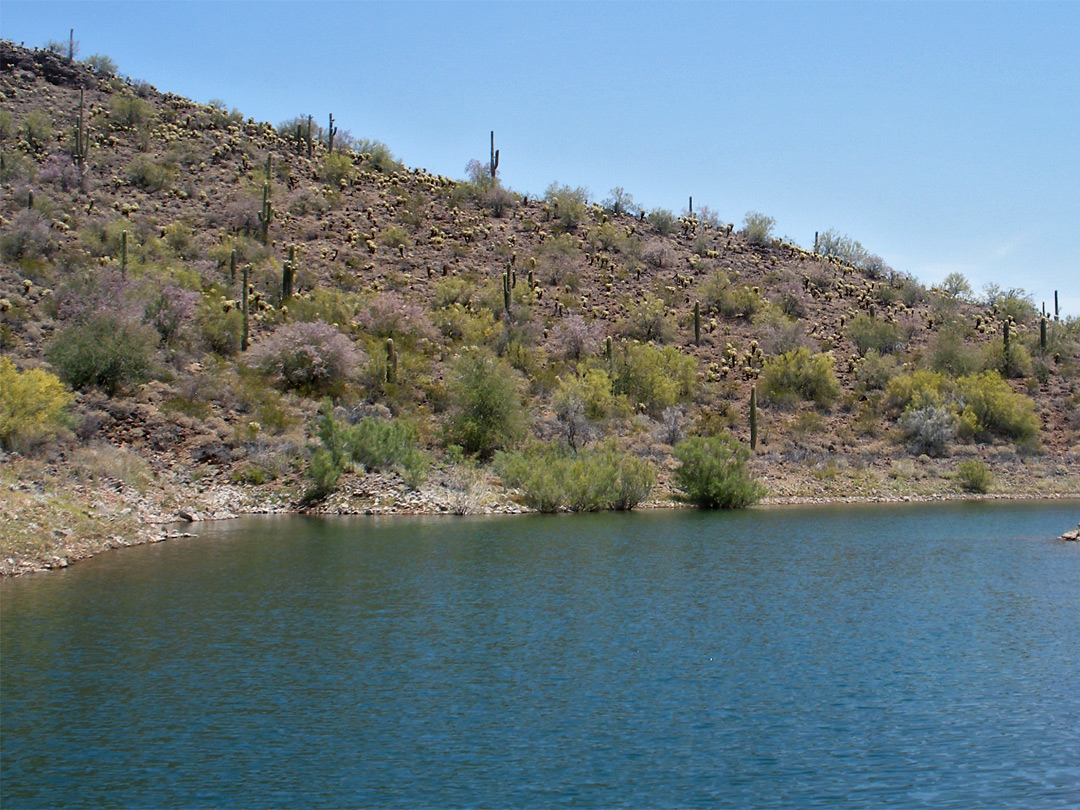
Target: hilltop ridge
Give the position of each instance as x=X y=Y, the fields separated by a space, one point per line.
x=140 y=213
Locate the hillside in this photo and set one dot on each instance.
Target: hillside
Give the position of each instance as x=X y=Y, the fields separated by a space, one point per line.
x=129 y=223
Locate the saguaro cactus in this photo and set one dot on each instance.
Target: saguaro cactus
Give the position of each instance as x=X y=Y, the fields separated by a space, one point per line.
x=1042 y=333
x=123 y=254
x=330 y=133
x=391 y=361
x=1008 y=348
x=288 y=274
x=232 y=266
x=494 y=164
x=244 y=307
x=697 y=323
x=82 y=137
x=266 y=213
x=506 y=292
x=753 y=418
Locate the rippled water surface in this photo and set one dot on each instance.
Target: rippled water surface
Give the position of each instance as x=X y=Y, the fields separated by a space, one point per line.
x=914 y=656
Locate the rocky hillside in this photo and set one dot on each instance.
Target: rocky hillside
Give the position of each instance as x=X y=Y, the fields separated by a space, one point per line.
x=132 y=217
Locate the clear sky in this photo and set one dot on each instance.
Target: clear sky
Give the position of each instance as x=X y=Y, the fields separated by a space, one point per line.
x=943 y=136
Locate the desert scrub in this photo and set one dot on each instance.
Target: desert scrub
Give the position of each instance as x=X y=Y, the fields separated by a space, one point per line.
x=869 y=333
x=550 y=477
x=718 y=294
x=989 y=406
x=713 y=474
x=758 y=228
x=653 y=377
x=33 y=406
x=370 y=443
x=647 y=319
x=105 y=352
x=485 y=410
x=973 y=476
x=800 y=375
x=310 y=358
x=928 y=429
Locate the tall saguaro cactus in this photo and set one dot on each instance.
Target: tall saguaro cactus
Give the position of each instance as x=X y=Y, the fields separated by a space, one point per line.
x=753 y=418
x=244 y=307
x=494 y=164
x=330 y=133
x=82 y=137
x=288 y=275
x=266 y=213
x=697 y=323
x=391 y=361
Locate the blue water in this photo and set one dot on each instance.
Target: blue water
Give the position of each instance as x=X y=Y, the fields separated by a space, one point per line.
x=908 y=656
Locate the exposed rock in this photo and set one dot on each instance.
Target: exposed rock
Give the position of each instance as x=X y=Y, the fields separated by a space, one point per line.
x=1073 y=535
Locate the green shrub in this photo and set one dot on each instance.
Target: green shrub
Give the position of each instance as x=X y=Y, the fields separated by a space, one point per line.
x=550 y=477
x=37 y=130
x=369 y=444
x=833 y=243
x=33 y=406
x=988 y=405
x=653 y=377
x=712 y=473
x=485 y=410
x=871 y=333
x=105 y=352
x=951 y=354
x=973 y=476
x=129 y=111
x=758 y=228
x=336 y=167
x=875 y=371
x=220 y=325
x=717 y=293
x=662 y=220
x=916 y=390
x=147 y=173
x=798 y=374
x=569 y=206
x=647 y=319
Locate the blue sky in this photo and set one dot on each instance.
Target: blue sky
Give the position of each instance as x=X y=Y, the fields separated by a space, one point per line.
x=943 y=136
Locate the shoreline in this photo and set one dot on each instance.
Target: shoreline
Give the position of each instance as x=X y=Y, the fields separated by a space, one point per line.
x=156 y=526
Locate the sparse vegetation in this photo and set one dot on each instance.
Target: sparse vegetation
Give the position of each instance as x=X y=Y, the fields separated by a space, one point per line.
x=713 y=474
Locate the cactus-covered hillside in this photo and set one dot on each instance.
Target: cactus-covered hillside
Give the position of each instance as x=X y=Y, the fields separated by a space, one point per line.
x=220 y=301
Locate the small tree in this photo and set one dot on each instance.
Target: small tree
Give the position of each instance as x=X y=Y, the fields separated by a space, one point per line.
x=486 y=412
x=713 y=473
x=105 y=352
x=758 y=228
x=33 y=406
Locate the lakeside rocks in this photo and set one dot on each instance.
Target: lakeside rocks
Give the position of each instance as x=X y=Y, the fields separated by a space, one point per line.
x=1073 y=535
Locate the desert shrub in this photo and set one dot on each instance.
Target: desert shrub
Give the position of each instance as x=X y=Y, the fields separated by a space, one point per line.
x=1012 y=303
x=104 y=351
x=718 y=294
x=928 y=429
x=834 y=244
x=916 y=390
x=653 y=377
x=370 y=443
x=569 y=206
x=658 y=253
x=647 y=319
x=988 y=405
x=713 y=474
x=129 y=111
x=485 y=408
x=101 y=65
x=37 y=130
x=220 y=325
x=336 y=167
x=391 y=316
x=460 y=323
x=550 y=477
x=758 y=228
x=620 y=201
x=973 y=476
x=395 y=236
x=956 y=285
x=1012 y=364
x=26 y=236
x=377 y=155
x=148 y=174
x=575 y=337
x=875 y=370
x=499 y=200
x=580 y=401
x=33 y=406
x=311 y=358
x=60 y=171
x=170 y=311
x=951 y=354
x=871 y=333
x=663 y=221
x=799 y=375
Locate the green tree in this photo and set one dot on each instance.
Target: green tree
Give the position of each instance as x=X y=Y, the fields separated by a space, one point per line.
x=33 y=406
x=713 y=474
x=486 y=413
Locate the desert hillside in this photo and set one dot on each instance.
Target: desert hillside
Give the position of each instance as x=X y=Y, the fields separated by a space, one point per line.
x=202 y=314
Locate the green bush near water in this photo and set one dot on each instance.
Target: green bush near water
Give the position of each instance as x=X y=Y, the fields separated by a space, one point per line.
x=551 y=478
x=713 y=473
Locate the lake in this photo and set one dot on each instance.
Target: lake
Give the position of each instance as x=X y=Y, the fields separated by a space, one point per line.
x=858 y=656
